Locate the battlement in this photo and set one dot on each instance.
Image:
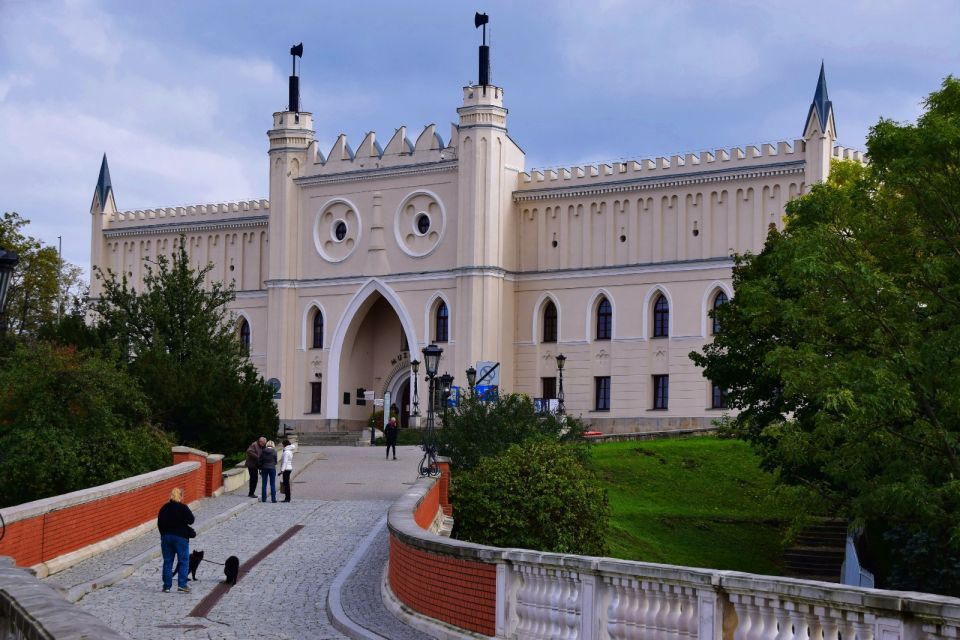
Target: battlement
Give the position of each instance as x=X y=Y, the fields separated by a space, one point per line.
x=675 y=165
x=844 y=153
x=341 y=158
x=168 y=215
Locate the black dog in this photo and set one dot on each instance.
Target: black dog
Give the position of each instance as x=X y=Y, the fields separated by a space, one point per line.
x=196 y=557
x=231 y=568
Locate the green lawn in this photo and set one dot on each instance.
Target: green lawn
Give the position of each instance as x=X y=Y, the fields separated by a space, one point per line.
x=700 y=502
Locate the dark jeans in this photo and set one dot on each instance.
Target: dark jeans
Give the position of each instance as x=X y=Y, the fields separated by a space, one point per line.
x=392 y=445
x=272 y=475
x=286 y=486
x=170 y=546
x=253 y=481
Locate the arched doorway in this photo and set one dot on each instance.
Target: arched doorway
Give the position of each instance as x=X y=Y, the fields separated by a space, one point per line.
x=372 y=342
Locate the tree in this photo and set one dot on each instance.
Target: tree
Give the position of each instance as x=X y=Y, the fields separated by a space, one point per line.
x=69 y=421
x=535 y=495
x=841 y=346
x=177 y=338
x=476 y=429
x=42 y=284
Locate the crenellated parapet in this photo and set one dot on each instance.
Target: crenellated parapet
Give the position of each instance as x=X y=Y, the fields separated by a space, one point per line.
x=400 y=150
x=845 y=153
x=719 y=160
x=190 y=213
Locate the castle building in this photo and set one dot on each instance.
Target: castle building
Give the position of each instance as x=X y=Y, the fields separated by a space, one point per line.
x=364 y=255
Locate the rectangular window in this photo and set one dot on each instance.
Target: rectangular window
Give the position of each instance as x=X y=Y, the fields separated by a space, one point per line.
x=346 y=397
x=549 y=386
x=661 y=391
x=361 y=397
x=602 y=393
x=719 y=398
x=315 y=394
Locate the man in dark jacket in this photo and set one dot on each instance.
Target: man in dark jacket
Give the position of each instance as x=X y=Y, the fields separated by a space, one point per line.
x=390 y=432
x=253 y=464
x=174 y=522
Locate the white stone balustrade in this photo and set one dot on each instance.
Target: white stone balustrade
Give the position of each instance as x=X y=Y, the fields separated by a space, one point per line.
x=543 y=595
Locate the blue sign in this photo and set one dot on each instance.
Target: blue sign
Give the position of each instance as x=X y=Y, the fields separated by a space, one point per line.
x=487 y=392
x=454 y=398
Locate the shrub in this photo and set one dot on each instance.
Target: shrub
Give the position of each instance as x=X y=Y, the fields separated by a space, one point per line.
x=70 y=421
x=536 y=495
x=476 y=429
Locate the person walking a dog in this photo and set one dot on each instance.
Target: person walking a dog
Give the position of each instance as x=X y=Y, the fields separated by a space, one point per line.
x=268 y=471
x=253 y=463
x=286 y=468
x=174 y=522
x=391 y=431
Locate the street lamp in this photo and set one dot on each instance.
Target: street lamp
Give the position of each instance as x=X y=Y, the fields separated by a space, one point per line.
x=446 y=387
x=471 y=378
x=431 y=358
x=415 y=366
x=8 y=262
x=561 y=360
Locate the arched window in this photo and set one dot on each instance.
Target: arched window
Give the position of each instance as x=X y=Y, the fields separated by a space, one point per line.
x=317 y=330
x=604 y=320
x=550 y=322
x=244 y=332
x=719 y=300
x=661 y=317
x=443 y=323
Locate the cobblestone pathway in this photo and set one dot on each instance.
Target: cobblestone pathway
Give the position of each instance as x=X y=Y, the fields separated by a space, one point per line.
x=284 y=596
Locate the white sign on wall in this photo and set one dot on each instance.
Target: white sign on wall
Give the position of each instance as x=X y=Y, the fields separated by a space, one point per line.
x=484 y=367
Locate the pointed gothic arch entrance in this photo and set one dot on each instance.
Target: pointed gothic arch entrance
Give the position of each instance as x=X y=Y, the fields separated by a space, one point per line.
x=370 y=350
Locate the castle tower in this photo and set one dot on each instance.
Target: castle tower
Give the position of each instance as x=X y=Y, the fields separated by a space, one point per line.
x=490 y=163
x=820 y=133
x=290 y=137
x=101 y=208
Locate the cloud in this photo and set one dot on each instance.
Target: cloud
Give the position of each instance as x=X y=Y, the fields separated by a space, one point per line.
x=168 y=118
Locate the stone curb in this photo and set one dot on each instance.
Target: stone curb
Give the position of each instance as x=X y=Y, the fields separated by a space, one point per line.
x=335 y=611
x=76 y=592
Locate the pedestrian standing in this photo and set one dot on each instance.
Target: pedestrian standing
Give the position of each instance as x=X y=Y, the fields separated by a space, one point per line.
x=391 y=431
x=174 y=522
x=253 y=463
x=286 y=468
x=268 y=471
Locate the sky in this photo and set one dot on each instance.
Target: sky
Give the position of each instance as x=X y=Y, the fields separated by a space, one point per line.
x=179 y=93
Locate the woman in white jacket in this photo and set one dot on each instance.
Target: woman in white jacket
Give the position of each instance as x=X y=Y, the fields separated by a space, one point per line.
x=286 y=467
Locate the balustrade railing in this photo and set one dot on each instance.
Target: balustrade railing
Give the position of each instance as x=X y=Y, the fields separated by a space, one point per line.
x=560 y=597
x=556 y=596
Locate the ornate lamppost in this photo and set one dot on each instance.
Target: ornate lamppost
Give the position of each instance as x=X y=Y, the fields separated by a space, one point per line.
x=471 y=378
x=415 y=366
x=8 y=262
x=446 y=388
x=561 y=360
x=431 y=359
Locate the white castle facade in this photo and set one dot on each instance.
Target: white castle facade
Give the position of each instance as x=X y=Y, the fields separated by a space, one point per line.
x=362 y=256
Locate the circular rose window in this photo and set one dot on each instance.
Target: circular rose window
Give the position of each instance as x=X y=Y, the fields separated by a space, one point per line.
x=336 y=230
x=420 y=223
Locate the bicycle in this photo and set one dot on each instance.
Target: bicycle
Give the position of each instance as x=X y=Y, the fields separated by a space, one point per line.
x=429 y=468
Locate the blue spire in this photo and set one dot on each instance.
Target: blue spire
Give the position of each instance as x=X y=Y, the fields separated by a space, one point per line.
x=103 y=183
x=821 y=106
x=820 y=98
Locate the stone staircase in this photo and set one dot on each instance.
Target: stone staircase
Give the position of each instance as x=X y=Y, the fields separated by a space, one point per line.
x=334 y=438
x=817 y=551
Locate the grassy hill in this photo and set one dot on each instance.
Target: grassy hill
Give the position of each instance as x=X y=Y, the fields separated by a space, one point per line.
x=700 y=502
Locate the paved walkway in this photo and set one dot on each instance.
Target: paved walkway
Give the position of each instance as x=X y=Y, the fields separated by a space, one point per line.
x=340 y=495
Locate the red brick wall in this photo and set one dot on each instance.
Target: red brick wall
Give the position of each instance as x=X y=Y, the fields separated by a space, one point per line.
x=62 y=530
x=198 y=487
x=214 y=477
x=457 y=591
